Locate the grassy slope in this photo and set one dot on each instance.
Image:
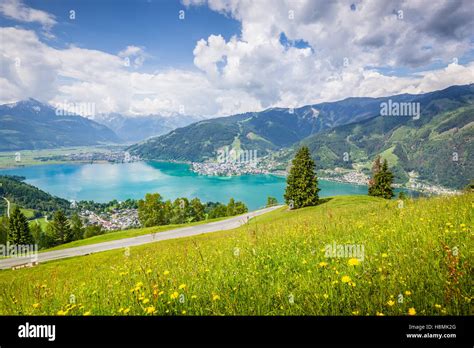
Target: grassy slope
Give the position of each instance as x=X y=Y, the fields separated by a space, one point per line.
x=272 y=266
x=115 y=235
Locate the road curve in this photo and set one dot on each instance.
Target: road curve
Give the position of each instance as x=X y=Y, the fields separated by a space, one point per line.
x=222 y=225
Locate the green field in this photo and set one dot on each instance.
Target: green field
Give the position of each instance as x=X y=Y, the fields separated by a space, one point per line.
x=28 y=157
x=416 y=261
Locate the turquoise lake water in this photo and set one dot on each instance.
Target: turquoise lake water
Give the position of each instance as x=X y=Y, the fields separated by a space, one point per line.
x=103 y=182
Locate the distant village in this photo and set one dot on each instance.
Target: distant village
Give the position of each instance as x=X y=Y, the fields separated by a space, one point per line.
x=96 y=156
x=114 y=220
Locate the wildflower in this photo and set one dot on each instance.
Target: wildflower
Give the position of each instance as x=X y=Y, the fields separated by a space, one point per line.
x=384 y=255
x=150 y=310
x=355 y=312
x=120 y=310
x=216 y=297
x=148 y=271
x=408 y=292
x=182 y=286
x=145 y=301
x=87 y=313
x=193 y=296
x=126 y=310
x=61 y=312
x=379 y=314
x=166 y=272
x=391 y=303
x=323 y=264
x=174 y=295
x=36 y=305
x=346 y=279
x=353 y=262
x=437 y=306
x=183 y=312
x=139 y=285
x=326 y=296
x=411 y=311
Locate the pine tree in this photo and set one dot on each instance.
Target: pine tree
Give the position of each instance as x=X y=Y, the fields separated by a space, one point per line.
x=60 y=228
x=77 y=228
x=381 y=183
x=376 y=168
x=302 y=183
x=18 y=228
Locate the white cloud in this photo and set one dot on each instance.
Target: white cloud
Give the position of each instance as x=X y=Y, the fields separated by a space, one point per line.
x=15 y=9
x=255 y=70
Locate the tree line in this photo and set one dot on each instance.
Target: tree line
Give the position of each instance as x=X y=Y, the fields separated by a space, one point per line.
x=152 y=211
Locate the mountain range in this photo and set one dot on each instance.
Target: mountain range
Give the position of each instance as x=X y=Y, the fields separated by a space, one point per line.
x=30 y=124
x=138 y=128
x=436 y=144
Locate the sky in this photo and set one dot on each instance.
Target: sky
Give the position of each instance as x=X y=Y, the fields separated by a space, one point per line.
x=222 y=57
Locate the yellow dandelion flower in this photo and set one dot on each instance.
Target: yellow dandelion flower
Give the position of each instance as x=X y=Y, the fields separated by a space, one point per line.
x=384 y=255
x=61 y=312
x=326 y=296
x=353 y=262
x=145 y=301
x=182 y=286
x=216 y=297
x=166 y=272
x=87 y=313
x=36 y=305
x=391 y=303
x=193 y=296
x=379 y=314
x=408 y=293
x=411 y=311
x=355 y=312
x=139 y=285
x=437 y=306
x=346 y=279
x=148 y=271
x=323 y=264
x=174 y=295
x=161 y=293
x=126 y=310
x=183 y=312
x=120 y=310
x=150 y=310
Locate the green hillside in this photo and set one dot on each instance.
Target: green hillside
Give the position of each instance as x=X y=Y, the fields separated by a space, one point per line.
x=416 y=261
x=439 y=146
x=27 y=196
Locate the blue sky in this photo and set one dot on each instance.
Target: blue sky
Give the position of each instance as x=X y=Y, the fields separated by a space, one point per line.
x=111 y=25
x=230 y=56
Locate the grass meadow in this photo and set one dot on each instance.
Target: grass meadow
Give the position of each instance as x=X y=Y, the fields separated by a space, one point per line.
x=417 y=261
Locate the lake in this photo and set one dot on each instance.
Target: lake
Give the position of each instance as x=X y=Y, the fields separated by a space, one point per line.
x=103 y=182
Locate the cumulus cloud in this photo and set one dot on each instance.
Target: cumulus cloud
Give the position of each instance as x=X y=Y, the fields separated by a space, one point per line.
x=15 y=9
x=287 y=54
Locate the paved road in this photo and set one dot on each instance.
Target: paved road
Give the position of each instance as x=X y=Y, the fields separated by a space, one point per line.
x=222 y=225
